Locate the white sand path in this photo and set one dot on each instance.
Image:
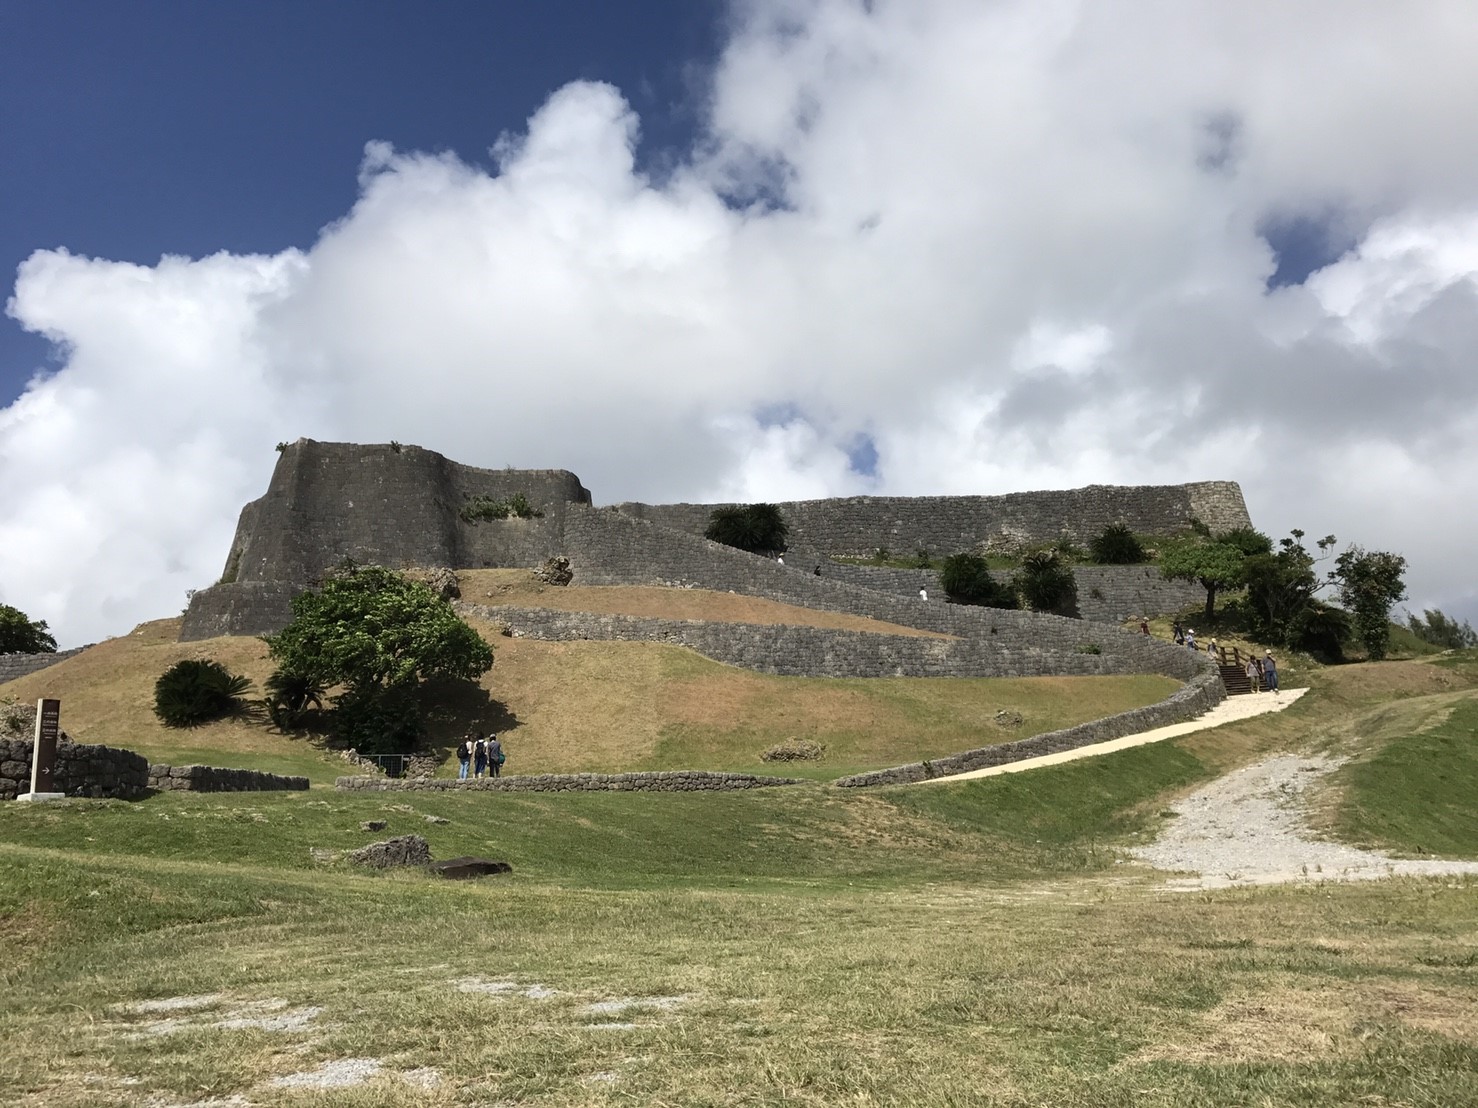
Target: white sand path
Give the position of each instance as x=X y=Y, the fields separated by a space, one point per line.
x=1230 y=710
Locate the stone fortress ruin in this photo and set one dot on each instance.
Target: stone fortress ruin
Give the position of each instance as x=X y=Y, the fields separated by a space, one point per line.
x=406 y=507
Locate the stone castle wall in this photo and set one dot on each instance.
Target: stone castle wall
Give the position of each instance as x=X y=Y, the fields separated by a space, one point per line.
x=1006 y=649
x=399 y=507
x=860 y=525
x=15 y=666
x=1106 y=594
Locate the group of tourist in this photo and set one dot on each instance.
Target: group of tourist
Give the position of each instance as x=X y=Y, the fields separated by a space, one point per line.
x=479 y=755
x=1262 y=673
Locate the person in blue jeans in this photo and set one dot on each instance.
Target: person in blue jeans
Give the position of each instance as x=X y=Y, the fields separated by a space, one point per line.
x=1269 y=673
x=464 y=757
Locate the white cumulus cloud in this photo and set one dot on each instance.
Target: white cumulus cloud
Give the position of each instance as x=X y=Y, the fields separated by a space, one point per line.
x=995 y=246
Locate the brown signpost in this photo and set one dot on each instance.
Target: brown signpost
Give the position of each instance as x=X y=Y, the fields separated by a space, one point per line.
x=43 y=751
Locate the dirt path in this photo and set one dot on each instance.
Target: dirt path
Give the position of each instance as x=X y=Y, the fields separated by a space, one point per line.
x=1247 y=828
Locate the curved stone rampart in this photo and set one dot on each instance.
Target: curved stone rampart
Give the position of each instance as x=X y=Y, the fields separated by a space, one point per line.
x=860 y=525
x=1199 y=696
x=390 y=505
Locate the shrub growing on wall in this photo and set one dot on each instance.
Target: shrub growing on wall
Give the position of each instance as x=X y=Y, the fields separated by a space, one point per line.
x=757 y=528
x=1045 y=583
x=195 y=691
x=1116 y=545
x=966 y=579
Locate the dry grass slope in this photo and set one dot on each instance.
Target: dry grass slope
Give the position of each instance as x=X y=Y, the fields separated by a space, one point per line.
x=597 y=706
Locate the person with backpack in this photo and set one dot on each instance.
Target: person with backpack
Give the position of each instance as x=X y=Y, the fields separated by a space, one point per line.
x=464 y=756
x=496 y=757
x=479 y=756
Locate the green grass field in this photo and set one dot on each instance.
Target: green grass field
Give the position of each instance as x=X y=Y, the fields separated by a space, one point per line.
x=976 y=943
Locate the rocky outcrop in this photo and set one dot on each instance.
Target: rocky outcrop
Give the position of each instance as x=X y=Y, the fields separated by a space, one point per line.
x=404 y=850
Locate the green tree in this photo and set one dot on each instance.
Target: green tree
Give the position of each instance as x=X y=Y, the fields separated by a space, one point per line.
x=1045 y=583
x=20 y=634
x=1439 y=630
x=1370 y=583
x=1216 y=566
x=1282 y=586
x=1116 y=545
x=379 y=635
x=966 y=579
x=756 y=528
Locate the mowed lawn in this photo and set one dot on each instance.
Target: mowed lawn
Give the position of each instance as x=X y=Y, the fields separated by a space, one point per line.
x=977 y=943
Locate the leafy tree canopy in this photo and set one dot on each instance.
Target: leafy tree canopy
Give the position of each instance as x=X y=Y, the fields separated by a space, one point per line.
x=378 y=634
x=757 y=528
x=1440 y=630
x=368 y=627
x=1282 y=586
x=1370 y=582
x=19 y=634
x=1214 y=565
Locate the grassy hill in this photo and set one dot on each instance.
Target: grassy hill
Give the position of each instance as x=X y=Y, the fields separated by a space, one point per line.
x=972 y=943
x=599 y=706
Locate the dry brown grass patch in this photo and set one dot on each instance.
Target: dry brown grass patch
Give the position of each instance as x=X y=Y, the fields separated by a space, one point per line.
x=519 y=588
x=1297 y=1023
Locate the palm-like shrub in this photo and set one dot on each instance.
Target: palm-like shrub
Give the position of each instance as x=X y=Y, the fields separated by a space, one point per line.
x=966 y=579
x=1116 y=545
x=1045 y=583
x=290 y=695
x=195 y=691
x=757 y=528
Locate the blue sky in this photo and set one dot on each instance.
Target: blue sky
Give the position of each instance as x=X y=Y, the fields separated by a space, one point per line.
x=733 y=250
x=152 y=127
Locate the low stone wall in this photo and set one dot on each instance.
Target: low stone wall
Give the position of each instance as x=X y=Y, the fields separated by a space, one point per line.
x=216 y=779
x=1202 y=694
x=677 y=781
x=81 y=770
x=13 y=666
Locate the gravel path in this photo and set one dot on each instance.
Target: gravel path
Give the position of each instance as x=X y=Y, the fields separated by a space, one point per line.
x=1248 y=829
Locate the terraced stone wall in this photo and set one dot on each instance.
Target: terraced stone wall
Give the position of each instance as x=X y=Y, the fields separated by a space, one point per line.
x=1055 y=647
x=1106 y=594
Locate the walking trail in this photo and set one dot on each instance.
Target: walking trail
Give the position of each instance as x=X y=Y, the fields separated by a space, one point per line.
x=1248 y=828
x=1230 y=710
